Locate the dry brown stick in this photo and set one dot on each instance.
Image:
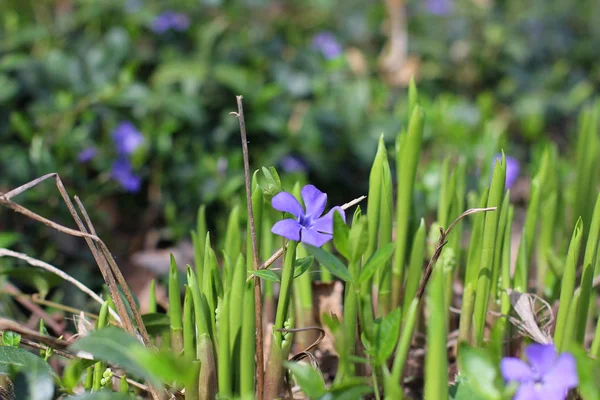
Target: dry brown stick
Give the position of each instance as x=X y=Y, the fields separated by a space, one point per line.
x=111 y=273
x=10 y=325
x=106 y=273
x=34 y=308
x=28 y=185
x=35 y=345
x=5 y=200
x=440 y=246
x=307 y=328
x=260 y=372
x=50 y=268
x=117 y=273
x=90 y=240
x=35 y=299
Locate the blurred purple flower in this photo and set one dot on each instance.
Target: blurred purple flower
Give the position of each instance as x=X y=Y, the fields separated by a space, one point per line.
x=439 y=7
x=327 y=45
x=309 y=226
x=127 y=138
x=291 y=163
x=513 y=168
x=87 y=154
x=122 y=172
x=170 y=20
x=548 y=376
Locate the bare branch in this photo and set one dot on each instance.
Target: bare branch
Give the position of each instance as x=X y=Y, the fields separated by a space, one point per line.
x=260 y=373
x=50 y=268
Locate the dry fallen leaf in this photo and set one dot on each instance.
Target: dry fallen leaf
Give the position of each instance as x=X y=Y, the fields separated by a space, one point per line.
x=535 y=316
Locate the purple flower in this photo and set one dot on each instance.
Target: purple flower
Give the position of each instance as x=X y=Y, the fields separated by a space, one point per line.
x=512 y=169
x=122 y=172
x=170 y=20
x=308 y=227
x=127 y=138
x=87 y=154
x=327 y=45
x=439 y=7
x=548 y=376
x=293 y=164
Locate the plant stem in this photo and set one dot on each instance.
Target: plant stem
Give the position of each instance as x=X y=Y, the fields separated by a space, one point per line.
x=257 y=291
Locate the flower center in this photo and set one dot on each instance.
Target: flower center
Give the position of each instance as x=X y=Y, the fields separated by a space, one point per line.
x=305 y=221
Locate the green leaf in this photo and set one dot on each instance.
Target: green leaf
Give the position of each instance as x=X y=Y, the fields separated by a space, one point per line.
x=101 y=396
x=391 y=386
x=117 y=346
x=156 y=323
x=358 y=239
x=39 y=376
x=266 y=274
x=388 y=332
x=7 y=239
x=302 y=265
x=350 y=389
x=378 y=259
x=357 y=215
x=10 y=338
x=588 y=371
x=165 y=365
x=463 y=390
x=477 y=365
x=340 y=235
x=73 y=372
x=275 y=176
x=330 y=262
x=309 y=379
x=271 y=184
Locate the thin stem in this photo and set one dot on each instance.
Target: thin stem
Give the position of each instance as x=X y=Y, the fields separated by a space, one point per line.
x=98 y=248
x=50 y=268
x=257 y=291
x=26 y=302
x=111 y=262
x=375 y=384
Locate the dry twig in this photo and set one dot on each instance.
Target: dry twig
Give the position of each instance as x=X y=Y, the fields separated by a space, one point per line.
x=108 y=267
x=260 y=373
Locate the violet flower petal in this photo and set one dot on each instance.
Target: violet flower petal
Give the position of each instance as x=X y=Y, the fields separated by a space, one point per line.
x=314 y=200
x=314 y=238
x=285 y=202
x=541 y=358
x=160 y=24
x=513 y=169
x=327 y=45
x=439 y=7
x=127 y=138
x=515 y=369
x=87 y=154
x=547 y=392
x=288 y=228
x=292 y=164
x=122 y=172
x=526 y=392
x=563 y=372
x=180 y=22
x=325 y=223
